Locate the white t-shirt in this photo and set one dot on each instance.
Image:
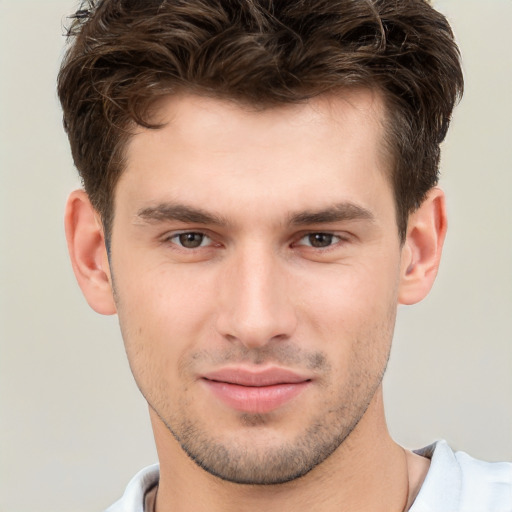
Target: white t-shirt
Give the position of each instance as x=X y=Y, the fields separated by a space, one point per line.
x=455 y=482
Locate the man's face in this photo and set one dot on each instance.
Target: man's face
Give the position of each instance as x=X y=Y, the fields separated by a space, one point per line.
x=256 y=262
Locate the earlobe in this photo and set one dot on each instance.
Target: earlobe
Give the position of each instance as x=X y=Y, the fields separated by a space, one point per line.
x=86 y=245
x=422 y=248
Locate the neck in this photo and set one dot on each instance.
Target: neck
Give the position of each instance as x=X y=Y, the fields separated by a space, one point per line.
x=368 y=472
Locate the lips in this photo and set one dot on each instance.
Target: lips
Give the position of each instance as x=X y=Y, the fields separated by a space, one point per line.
x=255 y=392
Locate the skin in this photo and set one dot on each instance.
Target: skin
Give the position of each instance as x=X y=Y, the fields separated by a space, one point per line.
x=256 y=191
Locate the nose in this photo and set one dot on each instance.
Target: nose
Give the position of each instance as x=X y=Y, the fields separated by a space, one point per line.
x=255 y=307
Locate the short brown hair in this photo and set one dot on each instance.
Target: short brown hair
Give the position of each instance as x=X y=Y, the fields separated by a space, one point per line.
x=125 y=54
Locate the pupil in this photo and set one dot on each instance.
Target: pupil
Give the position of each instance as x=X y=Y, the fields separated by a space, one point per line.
x=191 y=240
x=320 y=240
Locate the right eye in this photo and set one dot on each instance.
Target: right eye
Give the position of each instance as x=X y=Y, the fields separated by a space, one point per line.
x=190 y=240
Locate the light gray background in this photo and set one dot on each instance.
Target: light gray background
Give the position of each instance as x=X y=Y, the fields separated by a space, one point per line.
x=73 y=428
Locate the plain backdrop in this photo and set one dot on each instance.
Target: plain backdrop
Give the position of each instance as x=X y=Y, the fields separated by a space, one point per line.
x=73 y=428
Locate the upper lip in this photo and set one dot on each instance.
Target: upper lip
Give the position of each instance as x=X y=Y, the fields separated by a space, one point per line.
x=255 y=377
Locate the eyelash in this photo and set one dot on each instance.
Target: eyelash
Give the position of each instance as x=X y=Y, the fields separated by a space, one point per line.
x=330 y=236
x=333 y=240
x=172 y=237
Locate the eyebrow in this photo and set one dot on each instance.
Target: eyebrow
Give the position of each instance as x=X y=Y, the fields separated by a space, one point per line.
x=182 y=213
x=336 y=213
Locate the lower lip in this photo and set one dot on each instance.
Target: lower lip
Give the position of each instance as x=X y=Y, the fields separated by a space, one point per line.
x=254 y=399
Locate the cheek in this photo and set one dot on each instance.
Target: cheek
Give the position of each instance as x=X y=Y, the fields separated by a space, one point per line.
x=164 y=298
x=351 y=295
x=350 y=314
x=163 y=314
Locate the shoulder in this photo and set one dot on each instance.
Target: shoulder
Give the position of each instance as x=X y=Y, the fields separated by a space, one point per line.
x=457 y=482
x=133 y=497
x=485 y=484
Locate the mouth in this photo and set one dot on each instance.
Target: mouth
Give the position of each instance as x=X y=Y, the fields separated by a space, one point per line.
x=255 y=392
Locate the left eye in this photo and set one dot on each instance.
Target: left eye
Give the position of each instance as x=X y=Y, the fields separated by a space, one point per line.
x=319 y=240
x=190 y=240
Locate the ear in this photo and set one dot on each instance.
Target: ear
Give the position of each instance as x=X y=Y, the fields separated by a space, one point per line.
x=422 y=248
x=86 y=245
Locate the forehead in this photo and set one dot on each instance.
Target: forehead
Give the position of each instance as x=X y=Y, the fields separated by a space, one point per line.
x=213 y=152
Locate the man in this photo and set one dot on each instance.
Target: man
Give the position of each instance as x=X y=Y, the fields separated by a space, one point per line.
x=260 y=195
